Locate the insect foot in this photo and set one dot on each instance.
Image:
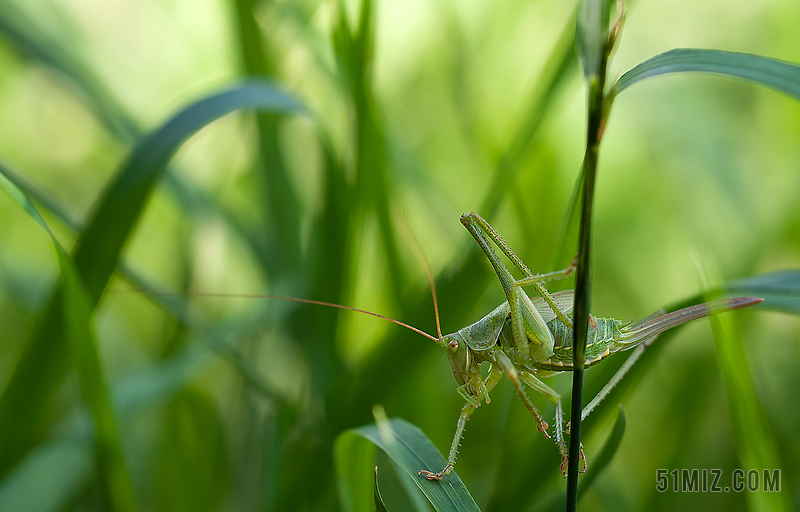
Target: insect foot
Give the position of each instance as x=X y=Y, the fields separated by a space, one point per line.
x=543 y=426
x=565 y=463
x=435 y=476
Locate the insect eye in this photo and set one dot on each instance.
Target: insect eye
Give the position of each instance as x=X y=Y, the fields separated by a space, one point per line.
x=453 y=344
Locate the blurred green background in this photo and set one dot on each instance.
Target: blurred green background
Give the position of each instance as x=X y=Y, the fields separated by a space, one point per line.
x=420 y=111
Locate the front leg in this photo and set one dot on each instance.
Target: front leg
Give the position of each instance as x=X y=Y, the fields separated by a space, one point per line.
x=452 y=457
x=473 y=402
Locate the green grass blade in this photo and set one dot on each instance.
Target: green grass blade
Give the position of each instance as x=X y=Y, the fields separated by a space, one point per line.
x=35 y=44
x=171 y=302
x=780 y=290
x=755 y=443
x=778 y=75
x=64 y=464
x=411 y=451
x=97 y=250
x=380 y=506
x=76 y=310
x=44 y=360
x=77 y=314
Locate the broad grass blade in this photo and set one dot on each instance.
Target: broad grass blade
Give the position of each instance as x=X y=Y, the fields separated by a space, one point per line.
x=778 y=75
x=411 y=451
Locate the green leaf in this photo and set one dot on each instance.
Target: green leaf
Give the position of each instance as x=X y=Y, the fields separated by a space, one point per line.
x=44 y=360
x=412 y=451
x=77 y=314
x=98 y=249
x=778 y=75
x=76 y=311
x=49 y=478
x=780 y=290
x=755 y=442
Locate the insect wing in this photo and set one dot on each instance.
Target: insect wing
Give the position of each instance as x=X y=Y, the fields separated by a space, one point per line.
x=564 y=300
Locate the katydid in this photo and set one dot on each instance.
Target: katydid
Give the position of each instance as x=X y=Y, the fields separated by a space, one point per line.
x=530 y=338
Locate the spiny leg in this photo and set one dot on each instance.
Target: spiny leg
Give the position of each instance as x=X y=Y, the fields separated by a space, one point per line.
x=526 y=322
x=491 y=381
x=537 y=385
x=479 y=228
x=512 y=373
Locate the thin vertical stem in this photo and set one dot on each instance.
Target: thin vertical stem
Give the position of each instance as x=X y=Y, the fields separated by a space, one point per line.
x=596 y=124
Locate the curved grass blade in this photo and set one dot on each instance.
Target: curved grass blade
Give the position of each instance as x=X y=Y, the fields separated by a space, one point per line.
x=44 y=360
x=379 y=505
x=97 y=250
x=76 y=310
x=35 y=44
x=411 y=451
x=778 y=75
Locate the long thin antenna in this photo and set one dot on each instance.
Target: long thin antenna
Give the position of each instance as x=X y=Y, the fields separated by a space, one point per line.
x=276 y=297
x=420 y=255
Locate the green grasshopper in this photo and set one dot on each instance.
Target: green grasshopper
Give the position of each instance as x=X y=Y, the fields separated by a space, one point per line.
x=532 y=338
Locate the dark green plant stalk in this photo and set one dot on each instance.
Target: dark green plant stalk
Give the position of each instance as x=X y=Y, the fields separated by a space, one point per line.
x=594 y=49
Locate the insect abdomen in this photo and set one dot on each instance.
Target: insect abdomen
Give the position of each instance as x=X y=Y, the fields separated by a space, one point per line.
x=600 y=343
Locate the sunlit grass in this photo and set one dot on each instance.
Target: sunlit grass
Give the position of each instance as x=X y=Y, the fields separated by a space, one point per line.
x=417 y=114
